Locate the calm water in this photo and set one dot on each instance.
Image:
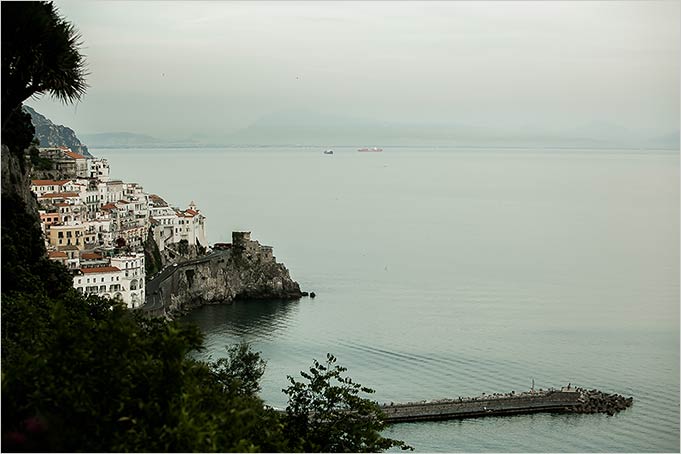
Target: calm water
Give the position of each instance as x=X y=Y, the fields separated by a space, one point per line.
x=442 y=273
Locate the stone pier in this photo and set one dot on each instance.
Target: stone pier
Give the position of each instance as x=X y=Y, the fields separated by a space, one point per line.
x=575 y=400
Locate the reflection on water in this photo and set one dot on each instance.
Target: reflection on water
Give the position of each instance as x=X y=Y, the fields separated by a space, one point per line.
x=230 y=323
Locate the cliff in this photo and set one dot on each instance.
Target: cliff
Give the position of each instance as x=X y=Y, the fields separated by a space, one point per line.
x=246 y=271
x=25 y=267
x=16 y=182
x=52 y=135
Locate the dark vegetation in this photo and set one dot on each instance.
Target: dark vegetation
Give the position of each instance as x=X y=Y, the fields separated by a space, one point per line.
x=183 y=247
x=41 y=54
x=327 y=412
x=153 y=263
x=84 y=373
x=38 y=162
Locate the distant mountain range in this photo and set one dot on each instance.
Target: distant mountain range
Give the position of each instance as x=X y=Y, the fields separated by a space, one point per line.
x=312 y=128
x=53 y=135
x=305 y=128
x=127 y=140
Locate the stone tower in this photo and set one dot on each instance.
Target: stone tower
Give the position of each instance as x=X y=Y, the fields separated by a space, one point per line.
x=241 y=241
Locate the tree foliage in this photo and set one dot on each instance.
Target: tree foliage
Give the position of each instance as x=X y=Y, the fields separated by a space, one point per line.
x=40 y=54
x=183 y=247
x=95 y=376
x=241 y=370
x=153 y=263
x=38 y=162
x=329 y=414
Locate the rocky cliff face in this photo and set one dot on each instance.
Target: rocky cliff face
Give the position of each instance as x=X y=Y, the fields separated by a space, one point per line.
x=52 y=135
x=250 y=273
x=16 y=179
x=17 y=182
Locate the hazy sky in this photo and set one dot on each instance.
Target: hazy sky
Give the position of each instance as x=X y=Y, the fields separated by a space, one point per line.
x=207 y=68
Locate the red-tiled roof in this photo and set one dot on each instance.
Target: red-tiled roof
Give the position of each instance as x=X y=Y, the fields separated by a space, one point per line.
x=74 y=155
x=99 y=269
x=49 y=182
x=57 y=255
x=157 y=200
x=56 y=195
x=109 y=206
x=90 y=256
x=186 y=213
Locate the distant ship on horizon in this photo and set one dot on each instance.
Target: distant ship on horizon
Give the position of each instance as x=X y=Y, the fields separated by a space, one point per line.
x=370 y=149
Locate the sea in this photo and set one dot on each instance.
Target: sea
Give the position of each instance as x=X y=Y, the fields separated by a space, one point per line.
x=447 y=272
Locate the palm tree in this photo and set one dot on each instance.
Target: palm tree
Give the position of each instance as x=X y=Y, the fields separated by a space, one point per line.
x=40 y=54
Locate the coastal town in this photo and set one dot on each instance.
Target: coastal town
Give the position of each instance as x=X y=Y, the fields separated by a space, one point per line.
x=97 y=226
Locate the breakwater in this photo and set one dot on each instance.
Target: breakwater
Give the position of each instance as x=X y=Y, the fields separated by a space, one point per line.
x=573 y=400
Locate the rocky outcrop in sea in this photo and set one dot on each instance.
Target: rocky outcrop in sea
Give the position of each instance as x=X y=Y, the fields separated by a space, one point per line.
x=246 y=270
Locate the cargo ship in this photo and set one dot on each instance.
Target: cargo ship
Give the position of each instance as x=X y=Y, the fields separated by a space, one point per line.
x=370 y=149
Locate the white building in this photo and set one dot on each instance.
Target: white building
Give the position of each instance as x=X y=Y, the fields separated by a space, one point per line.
x=69 y=204
x=92 y=199
x=133 y=276
x=103 y=281
x=128 y=222
x=138 y=203
x=98 y=168
x=190 y=226
x=111 y=191
x=124 y=279
x=81 y=163
x=102 y=230
x=173 y=225
x=164 y=218
x=42 y=187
